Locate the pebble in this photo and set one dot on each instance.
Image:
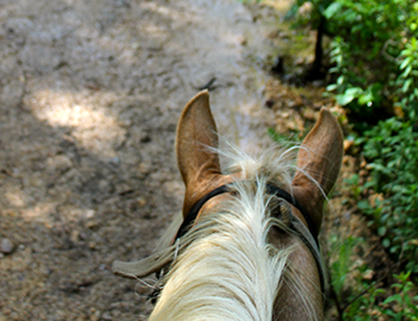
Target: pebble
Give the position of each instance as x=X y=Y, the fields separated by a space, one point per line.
x=141 y=201
x=95 y=316
x=114 y=161
x=6 y=246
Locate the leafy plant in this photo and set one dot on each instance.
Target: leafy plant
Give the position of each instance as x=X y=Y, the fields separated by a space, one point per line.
x=392 y=151
x=366 y=300
x=400 y=305
x=367 y=36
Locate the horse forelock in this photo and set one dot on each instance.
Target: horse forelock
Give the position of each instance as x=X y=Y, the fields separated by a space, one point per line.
x=228 y=270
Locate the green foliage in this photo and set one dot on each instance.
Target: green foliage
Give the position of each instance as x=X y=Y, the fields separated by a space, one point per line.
x=367 y=38
x=392 y=151
x=407 y=305
x=397 y=306
x=365 y=307
x=367 y=301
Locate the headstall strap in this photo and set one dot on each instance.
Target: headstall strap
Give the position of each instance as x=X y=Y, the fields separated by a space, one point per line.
x=271 y=189
x=274 y=190
x=307 y=234
x=188 y=221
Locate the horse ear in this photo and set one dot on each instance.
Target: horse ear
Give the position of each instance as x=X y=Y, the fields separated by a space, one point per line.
x=319 y=163
x=196 y=136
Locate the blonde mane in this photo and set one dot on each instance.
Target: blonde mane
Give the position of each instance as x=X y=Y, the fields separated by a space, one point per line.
x=226 y=269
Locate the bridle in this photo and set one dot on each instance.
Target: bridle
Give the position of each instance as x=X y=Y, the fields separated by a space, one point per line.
x=161 y=260
x=308 y=235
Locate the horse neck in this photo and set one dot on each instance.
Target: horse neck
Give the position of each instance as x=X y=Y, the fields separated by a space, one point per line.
x=228 y=272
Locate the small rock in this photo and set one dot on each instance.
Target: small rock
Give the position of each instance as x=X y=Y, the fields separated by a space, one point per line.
x=95 y=316
x=114 y=161
x=348 y=143
x=7 y=310
x=141 y=201
x=59 y=163
x=6 y=246
x=368 y=275
x=92 y=224
x=89 y=214
x=143 y=168
x=104 y=186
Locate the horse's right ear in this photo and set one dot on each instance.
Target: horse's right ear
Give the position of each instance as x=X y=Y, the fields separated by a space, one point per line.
x=319 y=163
x=198 y=164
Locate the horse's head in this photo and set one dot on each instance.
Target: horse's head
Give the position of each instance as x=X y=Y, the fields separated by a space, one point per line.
x=247 y=248
x=318 y=161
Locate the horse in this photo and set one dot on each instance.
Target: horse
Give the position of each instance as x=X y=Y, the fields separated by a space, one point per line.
x=246 y=245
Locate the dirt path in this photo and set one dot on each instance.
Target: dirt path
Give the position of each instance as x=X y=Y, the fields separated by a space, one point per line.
x=90 y=95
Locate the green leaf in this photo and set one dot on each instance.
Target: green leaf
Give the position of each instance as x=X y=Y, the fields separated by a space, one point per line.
x=406 y=62
x=406 y=85
x=332 y=87
x=365 y=98
x=386 y=243
x=332 y=10
x=395 y=297
x=348 y=96
x=381 y=230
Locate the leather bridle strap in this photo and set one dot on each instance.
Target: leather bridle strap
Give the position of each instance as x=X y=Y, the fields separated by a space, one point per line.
x=308 y=235
x=274 y=190
x=271 y=189
x=190 y=218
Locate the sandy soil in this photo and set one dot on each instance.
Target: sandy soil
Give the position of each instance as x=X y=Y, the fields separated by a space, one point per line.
x=90 y=95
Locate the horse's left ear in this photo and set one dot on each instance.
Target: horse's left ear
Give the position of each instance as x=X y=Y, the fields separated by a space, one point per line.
x=196 y=140
x=319 y=163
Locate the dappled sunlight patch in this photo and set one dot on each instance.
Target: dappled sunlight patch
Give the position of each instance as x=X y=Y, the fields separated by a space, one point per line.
x=75 y=213
x=40 y=212
x=61 y=109
x=45 y=213
x=92 y=128
x=16 y=198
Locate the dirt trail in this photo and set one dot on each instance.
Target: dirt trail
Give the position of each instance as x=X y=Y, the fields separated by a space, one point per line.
x=90 y=95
